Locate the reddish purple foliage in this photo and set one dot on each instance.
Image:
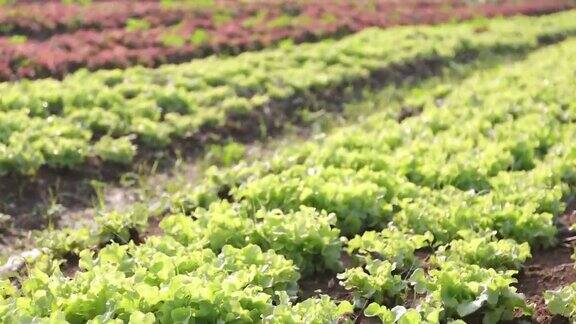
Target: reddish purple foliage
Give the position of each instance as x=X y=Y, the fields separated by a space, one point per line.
x=40 y=21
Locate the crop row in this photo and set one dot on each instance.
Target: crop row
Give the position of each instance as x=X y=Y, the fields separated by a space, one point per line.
x=60 y=124
x=42 y=20
x=491 y=155
x=478 y=178
x=118 y=36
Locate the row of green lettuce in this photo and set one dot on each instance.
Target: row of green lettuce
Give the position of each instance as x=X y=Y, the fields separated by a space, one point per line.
x=110 y=114
x=473 y=182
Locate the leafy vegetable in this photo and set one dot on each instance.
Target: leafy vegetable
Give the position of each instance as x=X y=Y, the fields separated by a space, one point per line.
x=375 y=281
x=486 y=251
x=464 y=289
x=562 y=301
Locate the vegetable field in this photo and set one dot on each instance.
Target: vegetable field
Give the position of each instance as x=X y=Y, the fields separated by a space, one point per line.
x=288 y=161
x=39 y=40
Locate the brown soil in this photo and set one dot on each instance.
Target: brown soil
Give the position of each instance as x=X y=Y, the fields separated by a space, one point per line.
x=547 y=270
x=70 y=265
x=153 y=228
x=323 y=284
x=12 y=242
x=550 y=269
x=326 y=283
